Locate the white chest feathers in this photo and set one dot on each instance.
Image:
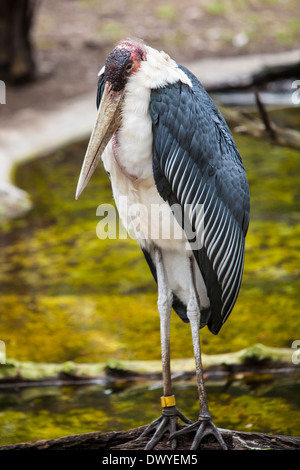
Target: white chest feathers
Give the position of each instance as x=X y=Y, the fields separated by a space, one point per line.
x=128 y=157
x=133 y=146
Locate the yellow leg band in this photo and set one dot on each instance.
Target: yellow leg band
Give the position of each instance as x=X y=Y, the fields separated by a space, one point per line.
x=168 y=401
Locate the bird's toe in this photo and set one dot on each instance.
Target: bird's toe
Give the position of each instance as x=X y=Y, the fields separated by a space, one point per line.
x=166 y=424
x=203 y=427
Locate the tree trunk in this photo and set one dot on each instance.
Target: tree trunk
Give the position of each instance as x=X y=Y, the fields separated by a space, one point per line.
x=127 y=440
x=16 y=51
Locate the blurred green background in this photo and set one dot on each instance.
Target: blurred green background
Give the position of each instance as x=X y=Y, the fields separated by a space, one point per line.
x=70 y=296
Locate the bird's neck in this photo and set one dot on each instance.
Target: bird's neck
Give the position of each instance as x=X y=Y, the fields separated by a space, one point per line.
x=115 y=149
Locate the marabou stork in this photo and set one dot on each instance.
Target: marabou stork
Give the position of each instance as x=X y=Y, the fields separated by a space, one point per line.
x=164 y=142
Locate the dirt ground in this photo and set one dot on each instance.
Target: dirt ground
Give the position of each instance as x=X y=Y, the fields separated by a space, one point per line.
x=73 y=37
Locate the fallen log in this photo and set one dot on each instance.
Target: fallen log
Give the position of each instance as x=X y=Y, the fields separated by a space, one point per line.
x=256 y=359
x=128 y=440
x=259 y=78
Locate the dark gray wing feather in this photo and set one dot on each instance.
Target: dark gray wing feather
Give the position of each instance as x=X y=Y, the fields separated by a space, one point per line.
x=196 y=164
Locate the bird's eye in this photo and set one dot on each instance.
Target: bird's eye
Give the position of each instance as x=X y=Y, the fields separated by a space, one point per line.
x=129 y=68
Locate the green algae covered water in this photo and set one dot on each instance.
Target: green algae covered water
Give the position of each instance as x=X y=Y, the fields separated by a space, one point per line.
x=52 y=412
x=68 y=296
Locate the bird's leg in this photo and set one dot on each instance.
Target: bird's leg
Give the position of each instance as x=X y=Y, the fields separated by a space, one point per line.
x=167 y=422
x=204 y=425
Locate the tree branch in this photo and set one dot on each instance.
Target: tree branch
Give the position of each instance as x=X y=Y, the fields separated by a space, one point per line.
x=127 y=440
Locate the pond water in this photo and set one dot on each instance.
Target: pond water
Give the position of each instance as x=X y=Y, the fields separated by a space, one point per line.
x=271 y=406
x=66 y=295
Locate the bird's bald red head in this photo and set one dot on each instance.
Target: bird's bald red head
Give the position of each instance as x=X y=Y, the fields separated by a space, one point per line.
x=124 y=60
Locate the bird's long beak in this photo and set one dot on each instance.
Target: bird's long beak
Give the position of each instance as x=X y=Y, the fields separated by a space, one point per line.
x=108 y=121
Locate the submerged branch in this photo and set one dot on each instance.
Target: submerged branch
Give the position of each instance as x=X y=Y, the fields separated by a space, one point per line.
x=265 y=117
x=245 y=123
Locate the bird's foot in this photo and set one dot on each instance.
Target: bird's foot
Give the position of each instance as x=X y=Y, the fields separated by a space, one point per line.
x=166 y=423
x=203 y=427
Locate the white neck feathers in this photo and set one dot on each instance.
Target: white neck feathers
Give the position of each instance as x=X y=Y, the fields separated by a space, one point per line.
x=159 y=70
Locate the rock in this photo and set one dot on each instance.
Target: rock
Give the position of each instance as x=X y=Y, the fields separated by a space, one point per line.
x=14 y=202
